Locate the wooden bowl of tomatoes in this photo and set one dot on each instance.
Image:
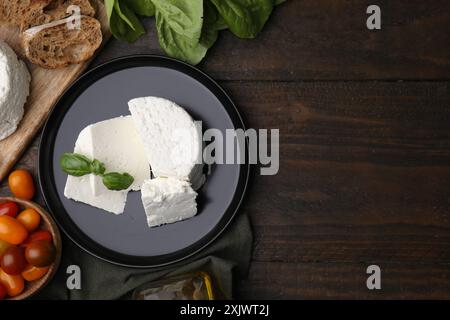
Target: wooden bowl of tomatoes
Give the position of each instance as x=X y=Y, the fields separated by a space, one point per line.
x=30 y=248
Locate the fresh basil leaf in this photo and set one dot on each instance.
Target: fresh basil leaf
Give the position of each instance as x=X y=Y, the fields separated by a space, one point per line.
x=142 y=7
x=97 y=167
x=129 y=29
x=75 y=164
x=117 y=181
x=245 y=18
x=184 y=17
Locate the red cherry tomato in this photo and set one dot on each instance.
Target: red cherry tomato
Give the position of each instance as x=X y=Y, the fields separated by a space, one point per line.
x=40 y=253
x=39 y=235
x=13 y=261
x=3 y=292
x=9 y=209
x=3 y=246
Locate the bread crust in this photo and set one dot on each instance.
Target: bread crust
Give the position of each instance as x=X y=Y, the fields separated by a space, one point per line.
x=55 y=46
x=30 y=13
x=21 y=13
x=57 y=9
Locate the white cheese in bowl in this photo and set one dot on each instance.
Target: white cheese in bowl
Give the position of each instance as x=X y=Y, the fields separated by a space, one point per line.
x=168 y=200
x=172 y=140
x=14 y=90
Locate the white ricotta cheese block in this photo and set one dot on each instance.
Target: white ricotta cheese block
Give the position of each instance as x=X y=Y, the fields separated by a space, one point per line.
x=80 y=188
x=14 y=90
x=172 y=140
x=117 y=144
x=168 y=200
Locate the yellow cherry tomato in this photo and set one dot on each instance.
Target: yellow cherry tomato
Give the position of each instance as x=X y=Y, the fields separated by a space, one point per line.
x=30 y=219
x=21 y=184
x=14 y=285
x=32 y=273
x=12 y=231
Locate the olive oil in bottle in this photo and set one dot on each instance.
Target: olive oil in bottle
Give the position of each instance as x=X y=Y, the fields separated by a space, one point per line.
x=194 y=286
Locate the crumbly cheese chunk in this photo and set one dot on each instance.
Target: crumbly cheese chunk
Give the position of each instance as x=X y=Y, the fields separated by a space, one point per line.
x=168 y=200
x=116 y=143
x=80 y=188
x=14 y=90
x=172 y=140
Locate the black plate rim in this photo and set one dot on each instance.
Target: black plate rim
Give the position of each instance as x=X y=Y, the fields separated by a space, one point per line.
x=45 y=163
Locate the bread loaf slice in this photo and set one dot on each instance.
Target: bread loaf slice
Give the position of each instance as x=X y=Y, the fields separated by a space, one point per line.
x=30 y=13
x=54 y=45
x=57 y=9
x=23 y=12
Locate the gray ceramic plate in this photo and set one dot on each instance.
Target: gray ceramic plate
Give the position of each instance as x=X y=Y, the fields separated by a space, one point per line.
x=102 y=94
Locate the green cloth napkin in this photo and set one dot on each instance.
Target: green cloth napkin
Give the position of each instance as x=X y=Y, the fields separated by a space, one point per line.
x=227 y=256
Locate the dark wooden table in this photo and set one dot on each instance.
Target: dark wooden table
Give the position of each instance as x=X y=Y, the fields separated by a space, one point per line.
x=364 y=172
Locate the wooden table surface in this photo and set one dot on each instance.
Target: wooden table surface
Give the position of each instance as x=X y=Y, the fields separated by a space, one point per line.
x=364 y=118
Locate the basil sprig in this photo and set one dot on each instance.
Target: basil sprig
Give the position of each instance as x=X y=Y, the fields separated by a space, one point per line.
x=78 y=165
x=97 y=167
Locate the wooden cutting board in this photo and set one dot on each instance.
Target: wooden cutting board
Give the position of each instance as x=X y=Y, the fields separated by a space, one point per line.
x=46 y=87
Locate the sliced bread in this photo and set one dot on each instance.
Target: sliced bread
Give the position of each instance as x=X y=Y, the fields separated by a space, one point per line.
x=57 y=9
x=30 y=13
x=54 y=45
x=23 y=13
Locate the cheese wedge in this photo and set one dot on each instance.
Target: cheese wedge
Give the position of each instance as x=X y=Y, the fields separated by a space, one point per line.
x=80 y=188
x=116 y=143
x=168 y=200
x=172 y=139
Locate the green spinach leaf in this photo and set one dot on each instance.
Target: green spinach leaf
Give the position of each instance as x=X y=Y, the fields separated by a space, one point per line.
x=188 y=28
x=221 y=24
x=180 y=25
x=211 y=17
x=245 y=18
x=211 y=25
x=123 y=22
x=177 y=45
x=109 y=5
x=123 y=16
x=182 y=16
x=142 y=7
